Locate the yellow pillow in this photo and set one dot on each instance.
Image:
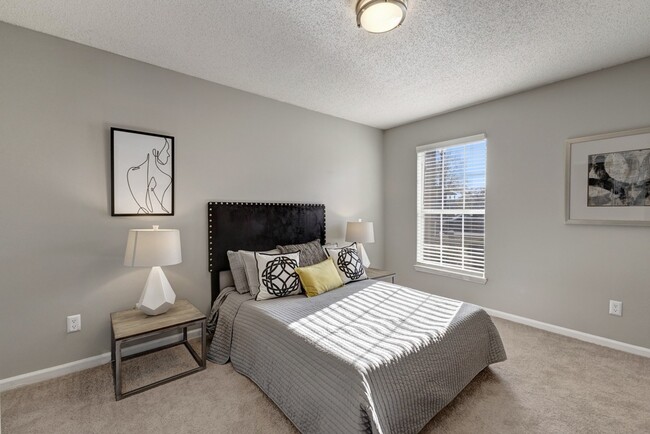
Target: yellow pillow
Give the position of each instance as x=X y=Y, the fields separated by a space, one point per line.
x=319 y=278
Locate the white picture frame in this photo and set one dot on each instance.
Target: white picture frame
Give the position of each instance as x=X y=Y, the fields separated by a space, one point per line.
x=622 y=201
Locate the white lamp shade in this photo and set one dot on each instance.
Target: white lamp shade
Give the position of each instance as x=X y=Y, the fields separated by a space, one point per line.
x=153 y=247
x=360 y=232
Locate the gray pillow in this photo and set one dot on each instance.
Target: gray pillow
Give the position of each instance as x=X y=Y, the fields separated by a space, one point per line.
x=310 y=253
x=250 y=266
x=238 y=272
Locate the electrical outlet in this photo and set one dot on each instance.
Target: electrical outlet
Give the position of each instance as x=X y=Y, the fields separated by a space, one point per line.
x=615 y=307
x=74 y=323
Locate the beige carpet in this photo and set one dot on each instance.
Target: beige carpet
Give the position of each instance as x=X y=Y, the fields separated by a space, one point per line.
x=550 y=384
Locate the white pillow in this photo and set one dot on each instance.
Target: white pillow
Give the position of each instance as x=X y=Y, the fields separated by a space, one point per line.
x=329 y=246
x=348 y=263
x=277 y=274
x=250 y=268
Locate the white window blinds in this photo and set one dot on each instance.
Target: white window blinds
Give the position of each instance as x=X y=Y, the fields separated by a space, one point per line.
x=451 y=207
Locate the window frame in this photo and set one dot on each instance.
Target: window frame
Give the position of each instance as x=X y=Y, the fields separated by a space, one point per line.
x=458 y=273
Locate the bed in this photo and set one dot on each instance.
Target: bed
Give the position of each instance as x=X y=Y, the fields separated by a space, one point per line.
x=368 y=357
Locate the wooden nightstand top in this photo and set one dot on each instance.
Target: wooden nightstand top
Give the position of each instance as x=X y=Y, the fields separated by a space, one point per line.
x=133 y=322
x=377 y=273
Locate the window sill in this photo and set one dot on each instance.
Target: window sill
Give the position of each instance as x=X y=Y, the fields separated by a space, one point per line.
x=440 y=272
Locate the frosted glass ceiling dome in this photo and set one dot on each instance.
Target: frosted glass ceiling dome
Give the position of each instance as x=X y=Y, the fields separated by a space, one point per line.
x=379 y=16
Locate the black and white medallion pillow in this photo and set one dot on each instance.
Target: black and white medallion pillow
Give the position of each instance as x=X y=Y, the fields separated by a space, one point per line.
x=348 y=263
x=277 y=274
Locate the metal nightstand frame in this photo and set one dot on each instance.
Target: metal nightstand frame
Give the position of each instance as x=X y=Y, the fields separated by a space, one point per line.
x=117 y=359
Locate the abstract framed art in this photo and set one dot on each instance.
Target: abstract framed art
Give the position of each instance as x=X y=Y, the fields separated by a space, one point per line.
x=142 y=173
x=608 y=179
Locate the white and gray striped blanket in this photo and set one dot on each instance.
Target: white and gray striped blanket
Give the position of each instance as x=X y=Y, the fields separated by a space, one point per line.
x=368 y=357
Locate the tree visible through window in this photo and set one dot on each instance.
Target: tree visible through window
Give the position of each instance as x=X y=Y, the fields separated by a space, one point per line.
x=451 y=206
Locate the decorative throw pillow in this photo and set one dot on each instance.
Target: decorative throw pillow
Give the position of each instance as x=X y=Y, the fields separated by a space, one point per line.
x=238 y=272
x=329 y=246
x=348 y=263
x=319 y=278
x=310 y=253
x=250 y=267
x=277 y=274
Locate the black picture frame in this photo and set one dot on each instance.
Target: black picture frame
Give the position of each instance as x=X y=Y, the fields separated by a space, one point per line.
x=142 y=173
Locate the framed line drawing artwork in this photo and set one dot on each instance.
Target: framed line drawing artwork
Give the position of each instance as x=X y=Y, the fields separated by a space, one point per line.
x=142 y=173
x=608 y=179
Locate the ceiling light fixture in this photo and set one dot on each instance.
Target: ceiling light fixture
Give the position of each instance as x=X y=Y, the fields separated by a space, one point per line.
x=379 y=16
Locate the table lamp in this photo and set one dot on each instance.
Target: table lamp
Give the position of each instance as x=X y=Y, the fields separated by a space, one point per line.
x=361 y=232
x=154 y=248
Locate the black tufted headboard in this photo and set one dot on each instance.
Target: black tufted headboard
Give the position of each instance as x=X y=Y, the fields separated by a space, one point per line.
x=258 y=226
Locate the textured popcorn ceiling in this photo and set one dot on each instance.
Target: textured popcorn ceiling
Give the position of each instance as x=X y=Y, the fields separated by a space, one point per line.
x=448 y=53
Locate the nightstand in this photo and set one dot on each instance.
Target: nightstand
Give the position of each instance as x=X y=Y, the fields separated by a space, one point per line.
x=378 y=274
x=133 y=325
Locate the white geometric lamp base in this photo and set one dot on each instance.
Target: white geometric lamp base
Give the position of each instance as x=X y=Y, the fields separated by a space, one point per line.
x=157 y=296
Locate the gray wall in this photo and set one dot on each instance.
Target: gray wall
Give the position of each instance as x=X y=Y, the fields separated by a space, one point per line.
x=537 y=266
x=60 y=251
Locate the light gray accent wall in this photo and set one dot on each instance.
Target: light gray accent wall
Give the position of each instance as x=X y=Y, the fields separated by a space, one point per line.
x=537 y=267
x=60 y=251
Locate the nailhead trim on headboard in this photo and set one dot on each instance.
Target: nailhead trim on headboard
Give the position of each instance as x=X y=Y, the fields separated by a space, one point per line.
x=210 y=222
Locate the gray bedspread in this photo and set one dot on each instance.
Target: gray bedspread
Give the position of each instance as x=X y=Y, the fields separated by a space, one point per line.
x=221 y=322
x=369 y=357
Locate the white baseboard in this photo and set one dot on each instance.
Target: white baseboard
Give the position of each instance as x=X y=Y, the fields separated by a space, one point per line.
x=53 y=372
x=586 y=337
x=83 y=364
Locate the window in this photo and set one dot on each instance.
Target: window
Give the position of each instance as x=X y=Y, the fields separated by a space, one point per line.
x=451 y=208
